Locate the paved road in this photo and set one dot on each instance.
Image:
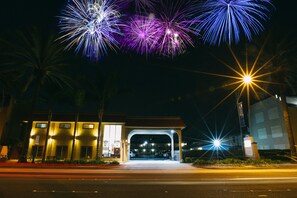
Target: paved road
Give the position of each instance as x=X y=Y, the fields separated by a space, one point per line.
x=141 y=180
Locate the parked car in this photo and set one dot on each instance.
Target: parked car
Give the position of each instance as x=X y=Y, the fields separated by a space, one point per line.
x=132 y=154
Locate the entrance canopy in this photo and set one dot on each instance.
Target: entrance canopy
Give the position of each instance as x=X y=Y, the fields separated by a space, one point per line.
x=168 y=126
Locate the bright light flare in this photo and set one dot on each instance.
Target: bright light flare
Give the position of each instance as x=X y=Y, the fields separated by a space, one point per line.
x=216 y=140
x=217 y=143
x=247 y=79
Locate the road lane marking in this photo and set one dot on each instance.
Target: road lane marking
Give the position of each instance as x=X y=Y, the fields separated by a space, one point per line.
x=73 y=191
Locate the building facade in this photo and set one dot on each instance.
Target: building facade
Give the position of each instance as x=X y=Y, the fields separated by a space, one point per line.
x=69 y=139
x=267 y=125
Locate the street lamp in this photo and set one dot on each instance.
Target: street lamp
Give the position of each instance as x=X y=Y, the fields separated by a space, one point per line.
x=217 y=143
x=247 y=79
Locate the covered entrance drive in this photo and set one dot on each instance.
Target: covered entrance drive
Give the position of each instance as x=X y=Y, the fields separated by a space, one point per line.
x=156 y=126
x=153 y=148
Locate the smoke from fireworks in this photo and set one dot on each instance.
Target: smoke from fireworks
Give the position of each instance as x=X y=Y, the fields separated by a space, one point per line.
x=225 y=20
x=91 y=25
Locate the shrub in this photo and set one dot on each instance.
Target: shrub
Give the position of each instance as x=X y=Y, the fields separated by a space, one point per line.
x=188 y=160
x=231 y=161
x=75 y=162
x=114 y=162
x=204 y=162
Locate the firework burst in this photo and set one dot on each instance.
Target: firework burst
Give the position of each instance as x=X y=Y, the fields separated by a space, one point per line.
x=176 y=35
x=225 y=20
x=91 y=25
x=142 y=34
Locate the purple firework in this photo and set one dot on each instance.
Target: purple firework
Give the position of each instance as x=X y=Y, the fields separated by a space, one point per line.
x=142 y=34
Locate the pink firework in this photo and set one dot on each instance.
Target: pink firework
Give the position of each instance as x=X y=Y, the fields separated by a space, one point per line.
x=176 y=32
x=143 y=34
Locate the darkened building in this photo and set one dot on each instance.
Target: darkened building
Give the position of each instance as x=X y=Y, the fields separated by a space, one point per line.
x=267 y=125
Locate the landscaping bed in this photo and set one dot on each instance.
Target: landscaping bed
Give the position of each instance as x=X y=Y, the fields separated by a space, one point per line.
x=238 y=163
x=63 y=164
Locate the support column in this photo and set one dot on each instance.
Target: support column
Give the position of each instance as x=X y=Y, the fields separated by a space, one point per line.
x=180 y=146
x=128 y=150
x=172 y=146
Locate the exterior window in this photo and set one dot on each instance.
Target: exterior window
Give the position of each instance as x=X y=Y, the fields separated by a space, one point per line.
x=41 y=125
x=276 y=131
x=88 y=126
x=61 y=152
x=279 y=146
x=262 y=134
x=37 y=151
x=112 y=141
x=273 y=113
x=65 y=126
x=259 y=117
x=86 y=152
x=264 y=147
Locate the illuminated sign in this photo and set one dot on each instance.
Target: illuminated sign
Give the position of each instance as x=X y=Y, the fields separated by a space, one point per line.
x=247 y=143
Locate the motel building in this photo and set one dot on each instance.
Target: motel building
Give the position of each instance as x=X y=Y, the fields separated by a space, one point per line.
x=75 y=137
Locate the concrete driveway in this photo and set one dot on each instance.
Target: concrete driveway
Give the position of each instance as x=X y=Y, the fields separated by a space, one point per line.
x=155 y=165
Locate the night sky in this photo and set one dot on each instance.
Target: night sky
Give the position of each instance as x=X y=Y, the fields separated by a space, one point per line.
x=155 y=86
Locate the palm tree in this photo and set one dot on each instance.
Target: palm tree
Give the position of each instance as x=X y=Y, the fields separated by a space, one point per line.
x=281 y=50
x=102 y=88
x=39 y=60
x=78 y=102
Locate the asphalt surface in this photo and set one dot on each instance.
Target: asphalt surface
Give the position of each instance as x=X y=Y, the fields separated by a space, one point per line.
x=152 y=180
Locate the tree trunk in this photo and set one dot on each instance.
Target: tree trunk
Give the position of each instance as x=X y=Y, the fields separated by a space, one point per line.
x=74 y=136
x=46 y=136
x=100 y=132
x=24 y=153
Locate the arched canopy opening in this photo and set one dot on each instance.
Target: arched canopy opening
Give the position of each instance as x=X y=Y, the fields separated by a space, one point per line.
x=150 y=147
x=145 y=150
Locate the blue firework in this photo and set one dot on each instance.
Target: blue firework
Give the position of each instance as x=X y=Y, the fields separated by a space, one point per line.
x=226 y=20
x=91 y=26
